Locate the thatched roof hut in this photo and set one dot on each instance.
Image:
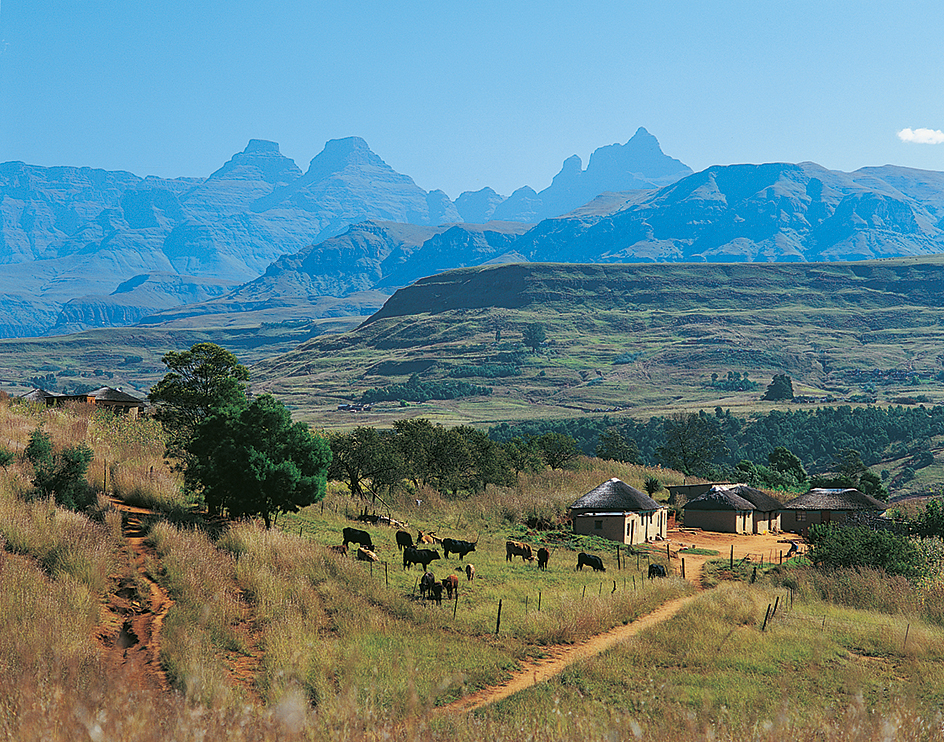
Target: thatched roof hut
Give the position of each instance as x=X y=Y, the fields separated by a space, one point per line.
x=616 y=511
x=719 y=509
x=829 y=506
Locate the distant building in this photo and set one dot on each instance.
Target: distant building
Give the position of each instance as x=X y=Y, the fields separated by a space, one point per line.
x=829 y=506
x=107 y=397
x=679 y=494
x=618 y=512
x=733 y=508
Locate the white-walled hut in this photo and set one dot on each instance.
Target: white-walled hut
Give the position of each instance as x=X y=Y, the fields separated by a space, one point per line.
x=829 y=506
x=720 y=509
x=766 y=515
x=616 y=511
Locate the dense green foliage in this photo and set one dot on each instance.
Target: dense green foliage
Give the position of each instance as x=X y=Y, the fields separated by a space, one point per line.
x=733 y=382
x=486 y=370
x=252 y=460
x=860 y=546
x=534 y=336
x=198 y=381
x=60 y=474
x=780 y=387
x=818 y=438
x=417 y=390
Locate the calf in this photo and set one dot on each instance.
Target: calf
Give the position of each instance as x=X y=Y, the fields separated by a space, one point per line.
x=590 y=561
x=543 y=556
x=340 y=549
x=419 y=556
x=352 y=535
x=451 y=583
x=516 y=548
x=424 y=538
x=404 y=540
x=435 y=592
x=457 y=547
x=426 y=583
x=656 y=570
x=470 y=572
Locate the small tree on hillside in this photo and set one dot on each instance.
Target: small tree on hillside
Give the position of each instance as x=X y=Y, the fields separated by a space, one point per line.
x=559 y=451
x=60 y=475
x=614 y=446
x=252 y=460
x=534 y=336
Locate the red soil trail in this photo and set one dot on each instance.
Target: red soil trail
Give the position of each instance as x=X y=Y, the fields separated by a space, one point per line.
x=135 y=648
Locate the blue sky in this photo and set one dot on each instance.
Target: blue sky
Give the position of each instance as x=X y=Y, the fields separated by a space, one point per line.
x=460 y=95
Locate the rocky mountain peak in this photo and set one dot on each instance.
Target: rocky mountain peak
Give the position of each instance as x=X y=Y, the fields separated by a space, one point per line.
x=261 y=160
x=339 y=154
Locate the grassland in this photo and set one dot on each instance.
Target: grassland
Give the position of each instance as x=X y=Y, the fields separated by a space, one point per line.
x=273 y=636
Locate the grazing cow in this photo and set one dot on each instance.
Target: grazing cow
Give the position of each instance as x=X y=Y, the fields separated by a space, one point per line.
x=591 y=561
x=656 y=570
x=340 y=549
x=424 y=538
x=516 y=548
x=404 y=540
x=543 y=556
x=435 y=592
x=358 y=537
x=366 y=555
x=457 y=547
x=451 y=583
x=418 y=556
x=426 y=583
x=470 y=572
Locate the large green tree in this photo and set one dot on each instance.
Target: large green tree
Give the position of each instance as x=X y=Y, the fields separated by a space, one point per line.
x=198 y=381
x=534 y=336
x=558 y=450
x=251 y=459
x=693 y=443
x=367 y=461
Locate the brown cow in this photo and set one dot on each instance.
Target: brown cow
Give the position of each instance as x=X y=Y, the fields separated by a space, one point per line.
x=451 y=583
x=516 y=548
x=340 y=549
x=424 y=538
x=426 y=583
x=543 y=556
x=470 y=572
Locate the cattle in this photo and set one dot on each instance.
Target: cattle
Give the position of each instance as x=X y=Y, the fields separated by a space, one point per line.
x=418 y=556
x=358 y=537
x=452 y=545
x=404 y=540
x=435 y=592
x=424 y=538
x=516 y=548
x=590 y=561
x=470 y=572
x=544 y=556
x=656 y=570
x=451 y=583
x=340 y=549
x=366 y=555
x=426 y=583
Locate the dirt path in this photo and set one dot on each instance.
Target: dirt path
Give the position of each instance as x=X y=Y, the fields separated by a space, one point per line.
x=139 y=606
x=536 y=672
x=532 y=673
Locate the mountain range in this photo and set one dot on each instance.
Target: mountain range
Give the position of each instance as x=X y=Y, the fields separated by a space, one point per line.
x=86 y=248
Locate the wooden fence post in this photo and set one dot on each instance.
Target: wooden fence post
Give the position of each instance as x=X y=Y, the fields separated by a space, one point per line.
x=767 y=616
x=732 y=556
x=683 y=568
x=498 y=620
x=455 y=606
x=539 y=601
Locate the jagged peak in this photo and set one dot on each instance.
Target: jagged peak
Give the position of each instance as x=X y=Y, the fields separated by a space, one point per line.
x=340 y=153
x=263 y=156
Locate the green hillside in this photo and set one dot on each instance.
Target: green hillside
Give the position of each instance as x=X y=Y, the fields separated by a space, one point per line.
x=644 y=338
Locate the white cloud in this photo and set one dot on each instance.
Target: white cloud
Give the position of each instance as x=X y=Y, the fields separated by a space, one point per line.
x=922 y=136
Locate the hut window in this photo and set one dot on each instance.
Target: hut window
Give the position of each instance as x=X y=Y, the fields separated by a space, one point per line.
x=598 y=525
x=800 y=515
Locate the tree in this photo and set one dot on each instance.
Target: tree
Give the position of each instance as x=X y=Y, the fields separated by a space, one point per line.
x=60 y=475
x=784 y=460
x=522 y=454
x=780 y=387
x=559 y=451
x=199 y=380
x=367 y=461
x=614 y=446
x=652 y=485
x=859 y=546
x=534 y=336
x=851 y=472
x=250 y=459
x=692 y=443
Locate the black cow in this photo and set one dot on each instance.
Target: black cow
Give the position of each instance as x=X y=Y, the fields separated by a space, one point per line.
x=426 y=583
x=418 y=556
x=358 y=537
x=591 y=561
x=656 y=570
x=544 y=556
x=454 y=546
x=435 y=592
x=404 y=540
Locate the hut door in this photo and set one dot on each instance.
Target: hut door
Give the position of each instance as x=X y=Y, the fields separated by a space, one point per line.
x=632 y=531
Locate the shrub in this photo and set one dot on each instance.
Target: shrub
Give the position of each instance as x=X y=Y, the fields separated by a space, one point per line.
x=858 y=546
x=60 y=475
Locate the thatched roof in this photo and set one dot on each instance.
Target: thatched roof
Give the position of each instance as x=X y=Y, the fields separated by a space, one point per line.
x=107 y=394
x=835 y=499
x=719 y=498
x=758 y=498
x=615 y=495
x=37 y=395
